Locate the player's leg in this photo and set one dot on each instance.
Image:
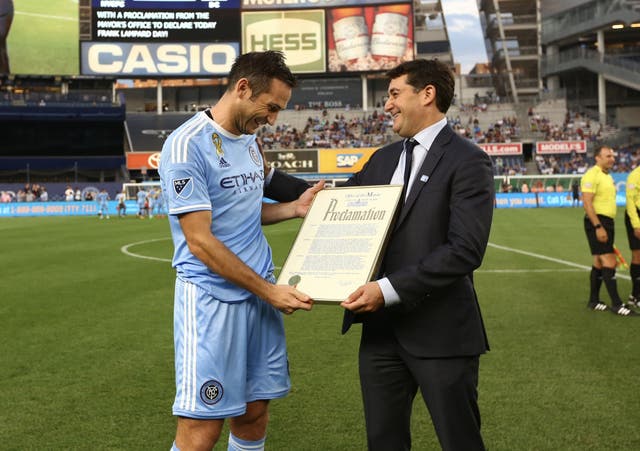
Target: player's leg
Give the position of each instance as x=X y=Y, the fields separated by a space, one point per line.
x=249 y=431
x=195 y=434
x=267 y=375
x=210 y=364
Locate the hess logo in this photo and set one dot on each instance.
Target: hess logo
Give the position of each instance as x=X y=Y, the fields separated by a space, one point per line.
x=299 y=38
x=347 y=160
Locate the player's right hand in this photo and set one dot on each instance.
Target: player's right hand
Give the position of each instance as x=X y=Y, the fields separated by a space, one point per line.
x=288 y=299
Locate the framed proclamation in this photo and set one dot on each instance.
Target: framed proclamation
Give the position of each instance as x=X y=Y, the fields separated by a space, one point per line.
x=341 y=241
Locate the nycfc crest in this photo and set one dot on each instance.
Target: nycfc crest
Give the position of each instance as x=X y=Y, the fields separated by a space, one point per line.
x=217 y=142
x=211 y=392
x=254 y=156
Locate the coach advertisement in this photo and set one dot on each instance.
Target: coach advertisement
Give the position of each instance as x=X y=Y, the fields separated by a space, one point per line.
x=327 y=93
x=298 y=34
x=294 y=161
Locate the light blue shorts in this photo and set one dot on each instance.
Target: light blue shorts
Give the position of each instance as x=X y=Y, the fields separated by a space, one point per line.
x=226 y=354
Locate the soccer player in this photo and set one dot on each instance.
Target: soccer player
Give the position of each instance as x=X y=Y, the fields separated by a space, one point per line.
x=143 y=206
x=632 y=223
x=599 y=201
x=230 y=352
x=121 y=197
x=103 y=208
x=151 y=201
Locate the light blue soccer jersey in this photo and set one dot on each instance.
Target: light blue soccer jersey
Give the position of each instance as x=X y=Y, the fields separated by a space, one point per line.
x=142 y=197
x=204 y=167
x=102 y=198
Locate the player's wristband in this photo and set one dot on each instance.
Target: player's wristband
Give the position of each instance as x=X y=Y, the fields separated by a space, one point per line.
x=597 y=226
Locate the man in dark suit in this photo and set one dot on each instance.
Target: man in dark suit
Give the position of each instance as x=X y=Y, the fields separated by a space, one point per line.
x=422 y=327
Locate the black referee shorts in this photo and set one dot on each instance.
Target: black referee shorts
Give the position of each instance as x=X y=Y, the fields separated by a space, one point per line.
x=634 y=243
x=598 y=248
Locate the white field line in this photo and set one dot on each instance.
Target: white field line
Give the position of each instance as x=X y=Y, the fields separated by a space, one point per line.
x=552 y=259
x=47 y=16
x=125 y=250
x=576 y=267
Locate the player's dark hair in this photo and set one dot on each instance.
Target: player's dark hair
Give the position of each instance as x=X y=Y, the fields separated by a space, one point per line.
x=421 y=73
x=260 y=68
x=599 y=150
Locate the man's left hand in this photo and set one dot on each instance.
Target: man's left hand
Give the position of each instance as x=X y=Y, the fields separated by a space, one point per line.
x=304 y=201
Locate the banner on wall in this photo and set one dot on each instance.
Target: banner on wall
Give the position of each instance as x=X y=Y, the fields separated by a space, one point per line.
x=61 y=208
x=143 y=160
x=345 y=161
x=327 y=93
x=293 y=161
x=497 y=149
x=156 y=38
x=369 y=38
x=561 y=147
x=128 y=59
x=300 y=35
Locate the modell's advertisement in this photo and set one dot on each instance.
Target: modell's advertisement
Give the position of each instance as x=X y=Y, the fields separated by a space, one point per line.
x=369 y=38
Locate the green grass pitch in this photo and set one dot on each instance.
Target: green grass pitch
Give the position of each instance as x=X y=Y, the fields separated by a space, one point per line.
x=43 y=39
x=87 y=353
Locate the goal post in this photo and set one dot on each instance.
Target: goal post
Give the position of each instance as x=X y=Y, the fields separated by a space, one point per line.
x=131 y=189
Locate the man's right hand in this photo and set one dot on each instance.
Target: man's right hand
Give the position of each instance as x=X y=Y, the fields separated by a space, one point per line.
x=601 y=235
x=288 y=299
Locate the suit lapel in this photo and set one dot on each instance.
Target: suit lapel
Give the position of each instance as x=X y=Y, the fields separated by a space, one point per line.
x=423 y=175
x=393 y=156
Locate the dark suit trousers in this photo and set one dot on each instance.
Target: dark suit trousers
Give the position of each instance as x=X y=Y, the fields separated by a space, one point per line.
x=390 y=378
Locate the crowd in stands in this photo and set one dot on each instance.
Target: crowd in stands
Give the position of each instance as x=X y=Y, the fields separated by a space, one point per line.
x=573 y=163
x=30 y=193
x=372 y=130
x=574 y=127
x=38 y=193
x=504 y=130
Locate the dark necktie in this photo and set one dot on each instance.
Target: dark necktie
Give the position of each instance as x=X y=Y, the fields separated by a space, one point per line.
x=409 y=144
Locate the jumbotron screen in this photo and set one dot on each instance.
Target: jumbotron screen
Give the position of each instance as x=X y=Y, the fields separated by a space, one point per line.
x=156 y=38
x=200 y=38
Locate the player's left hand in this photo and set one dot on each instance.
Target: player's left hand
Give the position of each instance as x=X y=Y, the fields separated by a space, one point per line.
x=366 y=298
x=304 y=201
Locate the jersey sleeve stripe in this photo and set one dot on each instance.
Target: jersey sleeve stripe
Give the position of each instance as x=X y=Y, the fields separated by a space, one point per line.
x=180 y=142
x=190 y=208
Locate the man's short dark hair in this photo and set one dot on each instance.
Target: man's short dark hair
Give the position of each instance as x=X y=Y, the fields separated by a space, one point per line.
x=260 y=68
x=421 y=73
